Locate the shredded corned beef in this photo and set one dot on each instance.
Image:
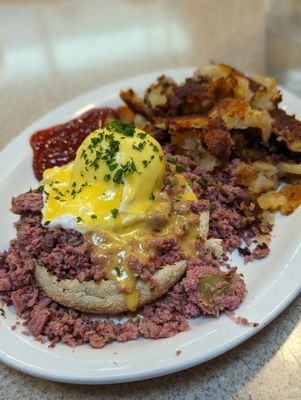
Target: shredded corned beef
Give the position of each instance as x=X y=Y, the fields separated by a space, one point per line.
x=27 y=202
x=241 y=320
x=65 y=253
x=186 y=299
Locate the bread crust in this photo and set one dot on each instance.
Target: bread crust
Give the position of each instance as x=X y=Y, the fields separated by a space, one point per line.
x=104 y=297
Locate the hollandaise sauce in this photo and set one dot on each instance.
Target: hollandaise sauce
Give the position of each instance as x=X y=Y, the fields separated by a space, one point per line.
x=113 y=193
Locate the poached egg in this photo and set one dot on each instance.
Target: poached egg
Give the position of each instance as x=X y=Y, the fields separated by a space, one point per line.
x=113 y=182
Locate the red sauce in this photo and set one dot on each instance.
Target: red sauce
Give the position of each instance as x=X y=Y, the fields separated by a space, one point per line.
x=57 y=145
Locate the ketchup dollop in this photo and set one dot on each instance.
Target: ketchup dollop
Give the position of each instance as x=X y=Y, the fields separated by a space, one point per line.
x=57 y=145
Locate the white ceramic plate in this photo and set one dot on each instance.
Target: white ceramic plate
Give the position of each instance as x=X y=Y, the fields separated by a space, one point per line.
x=272 y=283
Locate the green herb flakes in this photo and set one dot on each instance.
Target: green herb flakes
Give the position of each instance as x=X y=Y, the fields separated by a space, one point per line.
x=114 y=212
x=142 y=135
x=212 y=207
x=203 y=182
x=139 y=147
x=145 y=163
x=112 y=166
x=126 y=130
x=180 y=167
x=117 y=178
x=171 y=160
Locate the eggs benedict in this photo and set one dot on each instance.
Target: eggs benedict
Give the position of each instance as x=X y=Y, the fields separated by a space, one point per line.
x=122 y=196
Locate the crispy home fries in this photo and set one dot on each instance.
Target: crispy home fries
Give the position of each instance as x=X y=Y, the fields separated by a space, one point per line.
x=140 y=206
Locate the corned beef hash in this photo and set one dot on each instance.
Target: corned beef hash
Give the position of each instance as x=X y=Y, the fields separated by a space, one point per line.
x=139 y=207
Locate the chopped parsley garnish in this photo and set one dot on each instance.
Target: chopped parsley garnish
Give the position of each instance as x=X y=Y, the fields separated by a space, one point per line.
x=93 y=216
x=180 y=167
x=117 y=178
x=145 y=163
x=128 y=168
x=152 y=196
x=96 y=140
x=171 y=160
x=155 y=148
x=112 y=166
x=107 y=177
x=132 y=166
x=46 y=223
x=114 y=212
x=95 y=164
x=40 y=189
x=142 y=135
x=139 y=147
x=212 y=207
x=117 y=269
x=126 y=130
x=203 y=182
x=78 y=219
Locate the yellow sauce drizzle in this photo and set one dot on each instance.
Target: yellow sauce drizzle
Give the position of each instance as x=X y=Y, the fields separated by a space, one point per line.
x=111 y=250
x=126 y=283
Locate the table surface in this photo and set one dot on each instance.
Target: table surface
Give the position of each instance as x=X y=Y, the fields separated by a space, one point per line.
x=52 y=51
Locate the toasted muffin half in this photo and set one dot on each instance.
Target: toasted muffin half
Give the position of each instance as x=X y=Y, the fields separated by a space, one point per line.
x=104 y=297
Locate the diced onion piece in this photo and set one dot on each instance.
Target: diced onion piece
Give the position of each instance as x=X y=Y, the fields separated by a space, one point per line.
x=204 y=225
x=214 y=247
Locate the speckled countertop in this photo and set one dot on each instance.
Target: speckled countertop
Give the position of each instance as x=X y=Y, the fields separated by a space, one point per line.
x=52 y=51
